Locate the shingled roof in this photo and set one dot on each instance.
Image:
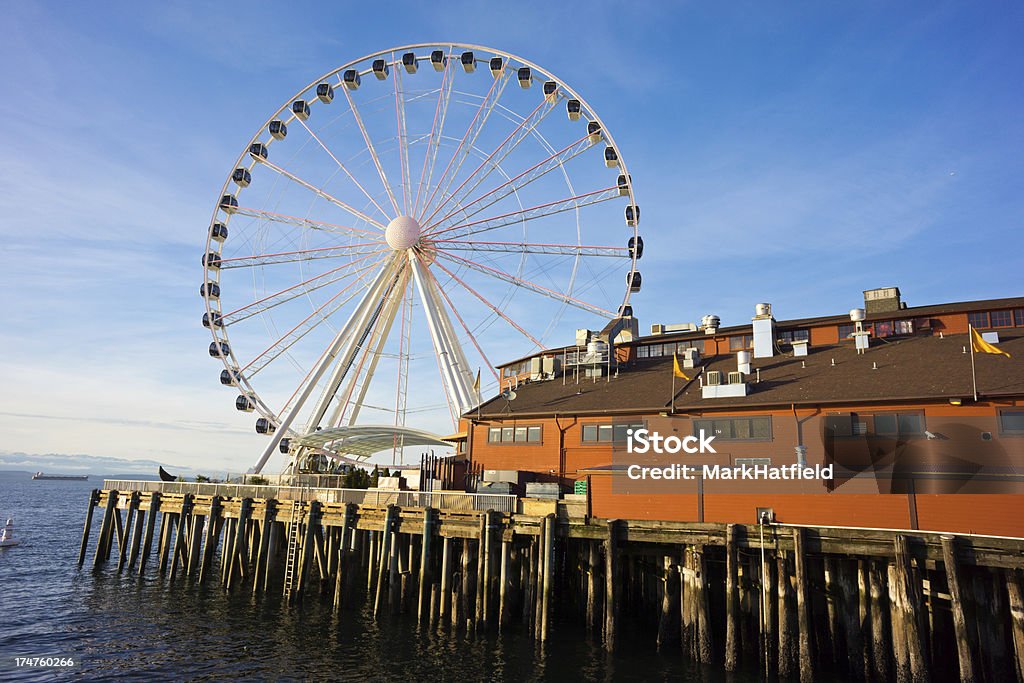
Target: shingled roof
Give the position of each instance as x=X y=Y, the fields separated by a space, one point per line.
x=908 y=369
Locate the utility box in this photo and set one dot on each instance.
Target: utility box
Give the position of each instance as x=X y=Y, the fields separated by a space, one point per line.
x=543 y=490
x=580 y=487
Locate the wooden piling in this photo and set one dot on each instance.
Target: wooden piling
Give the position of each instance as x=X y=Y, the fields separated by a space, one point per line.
x=137 y=532
x=147 y=541
x=195 y=543
x=909 y=592
x=788 y=647
x=426 y=566
x=669 y=618
x=94 y=500
x=263 y=551
x=133 y=506
x=210 y=542
x=880 y=653
x=611 y=586
x=549 y=571
x=965 y=646
x=732 y=636
x=803 y=607
x=503 y=587
x=383 y=560
x=446 y=579
x=308 y=542
x=1016 y=606
x=106 y=529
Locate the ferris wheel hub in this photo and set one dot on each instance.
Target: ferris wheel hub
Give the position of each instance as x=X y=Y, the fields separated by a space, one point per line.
x=402 y=233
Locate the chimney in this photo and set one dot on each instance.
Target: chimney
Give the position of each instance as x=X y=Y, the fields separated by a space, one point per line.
x=882 y=300
x=764 y=331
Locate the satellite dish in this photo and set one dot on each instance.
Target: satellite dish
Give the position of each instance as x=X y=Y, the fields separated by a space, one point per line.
x=508 y=395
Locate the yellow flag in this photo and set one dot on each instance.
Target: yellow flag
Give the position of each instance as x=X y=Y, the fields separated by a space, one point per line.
x=676 y=370
x=979 y=345
x=476 y=384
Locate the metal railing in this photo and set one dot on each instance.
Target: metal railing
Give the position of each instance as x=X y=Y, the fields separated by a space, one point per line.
x=443 y=500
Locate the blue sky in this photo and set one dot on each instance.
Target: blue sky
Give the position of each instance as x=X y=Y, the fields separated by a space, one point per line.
x=795 y=153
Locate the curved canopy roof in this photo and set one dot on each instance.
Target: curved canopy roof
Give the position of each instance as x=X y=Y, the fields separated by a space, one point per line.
x=362 y=441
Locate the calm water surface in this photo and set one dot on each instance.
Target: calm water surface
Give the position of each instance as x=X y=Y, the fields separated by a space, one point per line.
x=123 y=627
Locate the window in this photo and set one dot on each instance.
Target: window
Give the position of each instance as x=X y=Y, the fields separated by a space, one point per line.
x=682 y=346
x=735 y=428
x=1018 y=317
x=899 y=425
x=527 y=434
x=883 y=328
x=1001 y=318
x=903 y=327
x=846 y=331
x=1011 y=422
x=790 y=336
x=643 y=352
x=978 y=320
x=751 y=462
x=609 y=433
x=740 y=342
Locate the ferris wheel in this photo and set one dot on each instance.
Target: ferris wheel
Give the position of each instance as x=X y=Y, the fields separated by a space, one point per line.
x=394 y=226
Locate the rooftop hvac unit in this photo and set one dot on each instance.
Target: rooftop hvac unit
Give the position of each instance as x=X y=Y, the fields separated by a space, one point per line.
x=535 y=368
x=657 y=329
x=551 y=366
x=691 y=358
x=714 y=378
x=735 y=377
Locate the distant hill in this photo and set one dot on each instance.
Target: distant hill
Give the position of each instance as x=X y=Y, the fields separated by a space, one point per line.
x=94 y=465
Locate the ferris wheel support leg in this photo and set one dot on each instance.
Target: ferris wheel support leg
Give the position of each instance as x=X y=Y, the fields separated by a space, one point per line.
x=345 y=337
x=455 y=374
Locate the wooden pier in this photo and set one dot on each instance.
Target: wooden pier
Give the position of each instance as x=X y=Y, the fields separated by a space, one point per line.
x=862 y=604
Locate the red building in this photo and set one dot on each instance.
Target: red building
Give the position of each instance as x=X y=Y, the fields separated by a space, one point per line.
x=916 y=438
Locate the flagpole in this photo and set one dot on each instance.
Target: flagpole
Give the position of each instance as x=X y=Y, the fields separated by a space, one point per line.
x=673 y=384
x=974 y=375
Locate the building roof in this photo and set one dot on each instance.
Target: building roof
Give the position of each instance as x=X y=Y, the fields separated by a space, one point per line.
x=902 y=314
x=908 y=369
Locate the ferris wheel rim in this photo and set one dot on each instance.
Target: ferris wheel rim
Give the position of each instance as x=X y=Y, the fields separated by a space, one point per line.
x=591 y=115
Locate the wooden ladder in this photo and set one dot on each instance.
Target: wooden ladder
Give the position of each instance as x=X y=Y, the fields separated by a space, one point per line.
x=293 y=548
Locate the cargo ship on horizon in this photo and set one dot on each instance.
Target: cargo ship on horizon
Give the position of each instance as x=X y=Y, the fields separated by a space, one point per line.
x=61 y=477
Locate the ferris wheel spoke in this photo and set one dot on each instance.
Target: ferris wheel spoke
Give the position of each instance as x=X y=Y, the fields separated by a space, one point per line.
x=322 y=194
x=472 y=337
x=366 y=248
x=403 y=142
x=303 y=222
x=526 y=284
x=372 y=352
x=304 y=327
x=532 y=248
x=516 y=183
x=527 y=214
x=436 y=129
x=297 y=290
x=342 y=166
x=487 y=104
x=494 y=159
x=370 y=148
x=494 y=309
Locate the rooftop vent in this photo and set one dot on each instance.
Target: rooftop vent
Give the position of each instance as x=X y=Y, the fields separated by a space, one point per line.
x=710 y=323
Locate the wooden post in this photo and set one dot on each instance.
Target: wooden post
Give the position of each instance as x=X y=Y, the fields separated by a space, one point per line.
x=195 y=543
x=426 y=558
x=803 y=608
x=94 y=500
x=106 y=529
x=210 y=543
x=669 y=597
x=238 y=546
x=503 y=589
x=549 y=570
x=1016 y=602
x=446 y=578
x=611 y=587
x=137 y=532
x=787 y=665
x=770 y=612
x=901 y=662
x=593 y=557
x=909 y=591
x=464 y=603
x=263 y=552
x=481 y=556
x=147 y=541
x=308 y=543
x=965 y=645
x=384 y=547
x=179 y=544
x=705 y=648
x=849 y=607
x=880 y=631
x=133 y=506
x=394 y=576
x=118 y=532
x=488 y=568
x=343 y=568
x=732 y=636
x=372 y=560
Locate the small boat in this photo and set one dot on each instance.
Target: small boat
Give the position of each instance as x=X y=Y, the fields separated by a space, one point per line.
x=61 y=477
x=7 y=539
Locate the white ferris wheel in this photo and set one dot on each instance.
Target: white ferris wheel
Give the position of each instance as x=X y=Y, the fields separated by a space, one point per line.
x=412 y=214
